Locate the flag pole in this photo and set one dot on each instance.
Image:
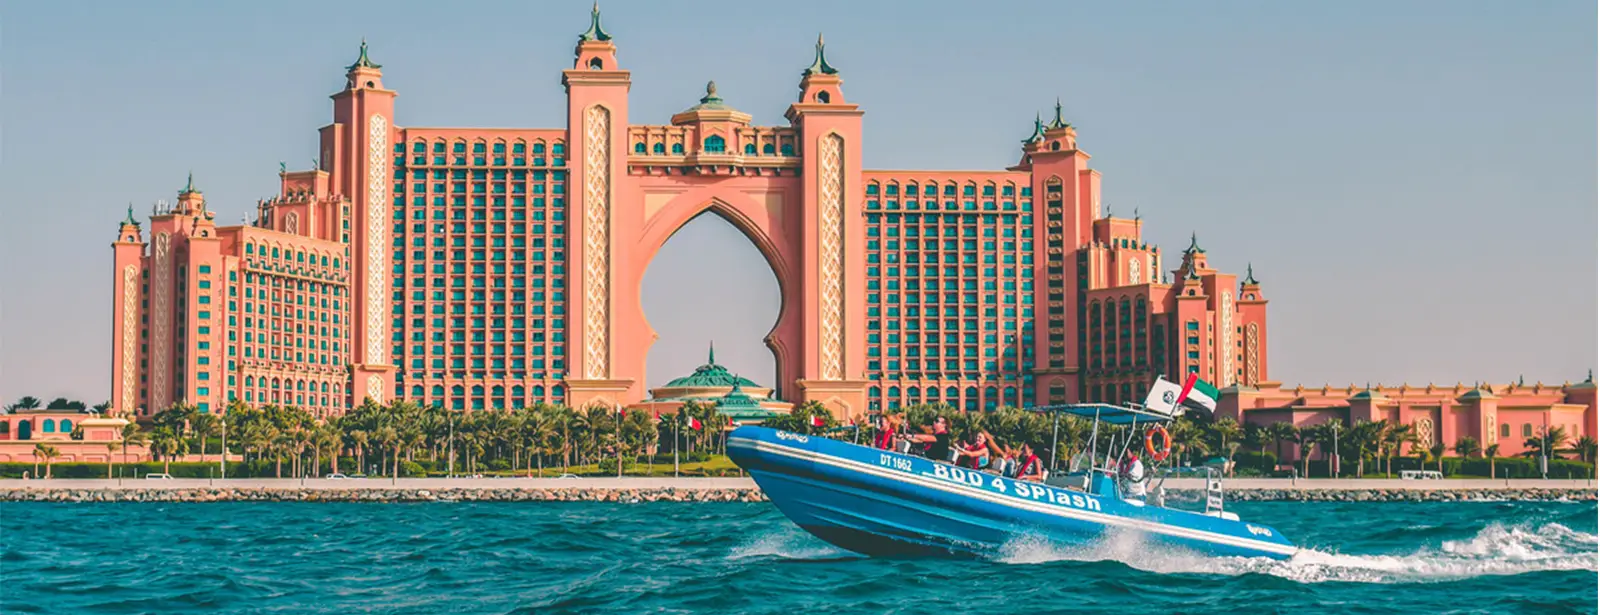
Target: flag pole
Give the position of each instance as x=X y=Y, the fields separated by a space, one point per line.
x=676 y=419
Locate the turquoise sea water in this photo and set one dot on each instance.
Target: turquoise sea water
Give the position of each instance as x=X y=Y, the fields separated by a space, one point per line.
x=747 y=558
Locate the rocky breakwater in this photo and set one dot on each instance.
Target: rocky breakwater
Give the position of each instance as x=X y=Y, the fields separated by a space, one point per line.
x=225 y=494
x=1396 y=495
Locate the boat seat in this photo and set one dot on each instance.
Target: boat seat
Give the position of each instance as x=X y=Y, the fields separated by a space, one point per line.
x=1133 y=502
x=1223 y=514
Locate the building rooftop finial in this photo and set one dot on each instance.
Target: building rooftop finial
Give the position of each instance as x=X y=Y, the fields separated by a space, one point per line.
x=363 y=61
x=1194 y=244
x=1250 y=275
x=1038 y=129
x=711 y=97
x=188 y=188
x=711 y=354
x=129 y=219
x=595 y=32
x=1058 y=122
x=820 y=65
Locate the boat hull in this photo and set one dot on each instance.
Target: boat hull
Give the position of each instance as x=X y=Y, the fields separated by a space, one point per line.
x=882 y=503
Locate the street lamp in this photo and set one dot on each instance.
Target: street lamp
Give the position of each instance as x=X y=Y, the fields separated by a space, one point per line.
x=1335 y=465
x=223 y=420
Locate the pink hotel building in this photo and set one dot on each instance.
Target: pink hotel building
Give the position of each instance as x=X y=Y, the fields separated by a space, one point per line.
x=497 y=268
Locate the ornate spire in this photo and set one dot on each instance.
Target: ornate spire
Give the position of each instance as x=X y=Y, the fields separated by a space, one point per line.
x=1058 y=122
x=1194 y=244
x=820 y=65
x=1591 y=376
x=363 y=61
x=129 y=220
x=188 y=188
x=1038 y=130
x=711 y=354
x=711 y=97
x=1250 y=275
x=595 y=32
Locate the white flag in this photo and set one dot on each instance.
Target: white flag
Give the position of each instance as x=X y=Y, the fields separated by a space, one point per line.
x=1163 y=396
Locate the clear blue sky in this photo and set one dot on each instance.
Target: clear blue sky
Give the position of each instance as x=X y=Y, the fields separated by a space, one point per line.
x=1414 y=181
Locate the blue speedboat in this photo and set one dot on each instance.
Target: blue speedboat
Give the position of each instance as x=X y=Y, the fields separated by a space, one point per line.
x=886 y=503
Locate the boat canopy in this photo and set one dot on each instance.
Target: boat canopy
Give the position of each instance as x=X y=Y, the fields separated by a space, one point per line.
x=1109 y=414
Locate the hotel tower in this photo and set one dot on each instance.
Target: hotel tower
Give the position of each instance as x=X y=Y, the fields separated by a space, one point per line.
x=487 y=268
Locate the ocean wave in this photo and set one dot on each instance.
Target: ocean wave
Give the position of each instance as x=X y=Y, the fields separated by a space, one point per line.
x=1496 y=550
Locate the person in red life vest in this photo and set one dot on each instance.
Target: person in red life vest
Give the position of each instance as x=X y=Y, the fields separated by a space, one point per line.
x=1029 y=466
x=977 y=452
x=888 y=428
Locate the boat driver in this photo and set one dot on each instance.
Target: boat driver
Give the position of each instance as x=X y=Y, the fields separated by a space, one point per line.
x=1131 y=472
x=938 y=442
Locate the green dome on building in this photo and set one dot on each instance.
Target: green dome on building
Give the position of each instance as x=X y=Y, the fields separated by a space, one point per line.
x=710 y=375
x=740 y=406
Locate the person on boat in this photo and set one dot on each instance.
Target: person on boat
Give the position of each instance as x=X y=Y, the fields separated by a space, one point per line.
x=886 y=432
x=937 y=443
x=1132 y=474
x=1029 y=467
x=977 y=452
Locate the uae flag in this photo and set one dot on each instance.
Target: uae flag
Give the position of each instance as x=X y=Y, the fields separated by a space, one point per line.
x=816 y=421
x=1198 y=394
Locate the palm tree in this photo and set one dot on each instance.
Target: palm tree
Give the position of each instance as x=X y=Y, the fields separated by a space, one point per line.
x=390 y=440
x=27 y=403
x=49 y=453
x=1585 y=447
x=1278 y=432
x=1365 y=437
x=358 y=440
x=1437 y=451
x=203 y=426
x=132 y=436
x=1546 y=442
x=111 y=449
x=326 y=441
x=102 y=407
x=1491 y=451
x=166 y=443
x=1467 y=446
x=1396 y=437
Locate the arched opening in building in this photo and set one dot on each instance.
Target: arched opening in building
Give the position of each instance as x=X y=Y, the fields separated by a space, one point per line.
x=709 y=283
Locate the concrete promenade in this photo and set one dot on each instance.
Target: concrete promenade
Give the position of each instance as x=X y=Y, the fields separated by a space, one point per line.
x=660 y=483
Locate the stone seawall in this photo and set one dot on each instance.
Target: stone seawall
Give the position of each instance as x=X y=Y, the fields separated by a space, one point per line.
x=633 y=496
x=224 y=494
x=1393 y=495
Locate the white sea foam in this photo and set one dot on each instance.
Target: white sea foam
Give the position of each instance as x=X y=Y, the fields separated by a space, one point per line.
x=1495 y=550
x=785 y=544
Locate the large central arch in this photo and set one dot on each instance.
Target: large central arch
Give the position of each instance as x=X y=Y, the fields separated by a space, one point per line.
x=747 y=217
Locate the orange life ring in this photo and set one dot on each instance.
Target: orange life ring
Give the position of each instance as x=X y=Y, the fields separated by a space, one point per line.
x=1150 y=444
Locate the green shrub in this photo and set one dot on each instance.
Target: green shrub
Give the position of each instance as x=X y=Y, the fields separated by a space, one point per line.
x=412 y=468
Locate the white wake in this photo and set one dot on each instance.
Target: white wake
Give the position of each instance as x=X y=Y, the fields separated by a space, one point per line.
x=1495 y=550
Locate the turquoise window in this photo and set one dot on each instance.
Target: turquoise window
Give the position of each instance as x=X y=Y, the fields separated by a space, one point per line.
x=66 y=425
x=677 y=148
x=49 y=426
x=659 y=148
